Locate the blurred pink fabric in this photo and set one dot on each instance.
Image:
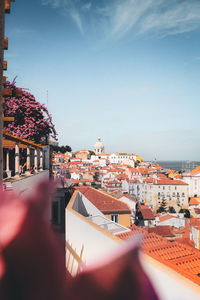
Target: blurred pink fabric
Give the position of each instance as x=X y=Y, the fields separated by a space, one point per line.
x=32 y=260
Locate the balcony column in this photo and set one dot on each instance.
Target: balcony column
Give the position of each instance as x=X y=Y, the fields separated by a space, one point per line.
x=17 y=160
x=28 y=160
x=8 y=172
x=41 y=160
x=35 y=160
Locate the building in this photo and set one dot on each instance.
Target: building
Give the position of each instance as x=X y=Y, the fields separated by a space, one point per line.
x=174 y=192
x=99 y=147
x=119 y=158
x=83 y=154
x=193 y=180
x=91 y=239
x=111 y=207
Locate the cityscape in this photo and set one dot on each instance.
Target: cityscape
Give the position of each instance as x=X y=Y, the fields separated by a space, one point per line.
x=109 y=217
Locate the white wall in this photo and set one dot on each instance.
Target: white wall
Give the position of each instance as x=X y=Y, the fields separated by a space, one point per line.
x=81 y=234
x=176 y=222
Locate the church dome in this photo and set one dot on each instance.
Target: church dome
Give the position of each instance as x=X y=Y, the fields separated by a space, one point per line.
x=99 y=147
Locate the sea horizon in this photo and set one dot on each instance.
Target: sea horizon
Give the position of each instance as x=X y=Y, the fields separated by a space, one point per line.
x=178 y=165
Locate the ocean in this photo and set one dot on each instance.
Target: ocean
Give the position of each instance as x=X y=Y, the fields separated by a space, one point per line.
x=179 y=165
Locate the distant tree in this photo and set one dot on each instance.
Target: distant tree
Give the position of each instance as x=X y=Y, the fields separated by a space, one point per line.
x=68 y=148
x=186 y=212
x=61 y=149
x=172 y=210
x=54 y=148
x=91 y=152
x=163 y=207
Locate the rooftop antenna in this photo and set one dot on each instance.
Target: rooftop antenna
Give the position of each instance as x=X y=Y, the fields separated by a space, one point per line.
x=47 y=98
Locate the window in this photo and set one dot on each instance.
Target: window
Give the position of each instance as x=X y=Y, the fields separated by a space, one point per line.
x=114 y=218
x=175 y=188
x=169 y=187
x=183 y=195
x=163 y=187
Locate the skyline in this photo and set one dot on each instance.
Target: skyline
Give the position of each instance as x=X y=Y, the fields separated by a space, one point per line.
x=126 y=71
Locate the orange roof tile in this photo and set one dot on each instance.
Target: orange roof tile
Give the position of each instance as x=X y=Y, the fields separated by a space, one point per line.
x=103 y=201
x=128 y=196
x=181 y=258
x=165 y=231
x=195 y=171
x=169 y=182
x=166 y=217
x=194 y=201
x=146 y=212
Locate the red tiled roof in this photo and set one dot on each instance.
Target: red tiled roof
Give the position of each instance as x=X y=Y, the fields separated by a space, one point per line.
x=134 y=170
x=166 y=217
x=181 y=258
x=165 y=231
x=197 y=211
x=150 y=180
x=169 y=182
x=127 y=196
x=195 y=171
x=146 y=212
x=185 y=241
x=194 y=201
x=103 y=201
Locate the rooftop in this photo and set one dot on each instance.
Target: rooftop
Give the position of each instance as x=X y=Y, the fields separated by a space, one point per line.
x=181 y=258
x=103 y=201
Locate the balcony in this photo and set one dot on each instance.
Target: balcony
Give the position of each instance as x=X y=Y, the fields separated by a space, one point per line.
x=25 y=184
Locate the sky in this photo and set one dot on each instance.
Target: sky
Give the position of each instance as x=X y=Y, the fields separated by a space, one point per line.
x=127 y=71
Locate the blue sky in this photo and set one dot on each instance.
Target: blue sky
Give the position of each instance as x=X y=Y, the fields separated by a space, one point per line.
x=125 y=70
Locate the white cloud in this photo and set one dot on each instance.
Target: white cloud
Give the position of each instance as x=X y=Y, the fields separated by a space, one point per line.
x=137 y=17
x=76 y=17
x=87 y=6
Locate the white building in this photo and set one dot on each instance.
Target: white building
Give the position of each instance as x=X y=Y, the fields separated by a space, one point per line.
x=193 y=181
x=134 y=187
x=119 y=158
x=171 y=220
x=99 y=147
x=196 y=236
x=175 y=192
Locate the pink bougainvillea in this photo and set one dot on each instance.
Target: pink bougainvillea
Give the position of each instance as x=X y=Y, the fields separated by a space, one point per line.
x=30 y=120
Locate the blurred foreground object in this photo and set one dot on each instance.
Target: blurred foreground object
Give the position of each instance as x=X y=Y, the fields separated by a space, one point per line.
x=32 y=261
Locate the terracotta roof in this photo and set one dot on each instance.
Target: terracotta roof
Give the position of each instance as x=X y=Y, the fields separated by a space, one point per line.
x=169 y=182
x=185 y=241
x=166 y=217
x=149 y=180
x=165 y=231
x=103 y=201
x=127 y=196
x=134 y=170
x=194 y=201
x=170 y=170
x=195 y=171
x=146 y=212
x=181 y=258
x=197 y=211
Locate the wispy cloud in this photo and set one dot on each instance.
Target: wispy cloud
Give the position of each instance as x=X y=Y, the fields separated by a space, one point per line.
x=136 y=17
x=77 y=18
